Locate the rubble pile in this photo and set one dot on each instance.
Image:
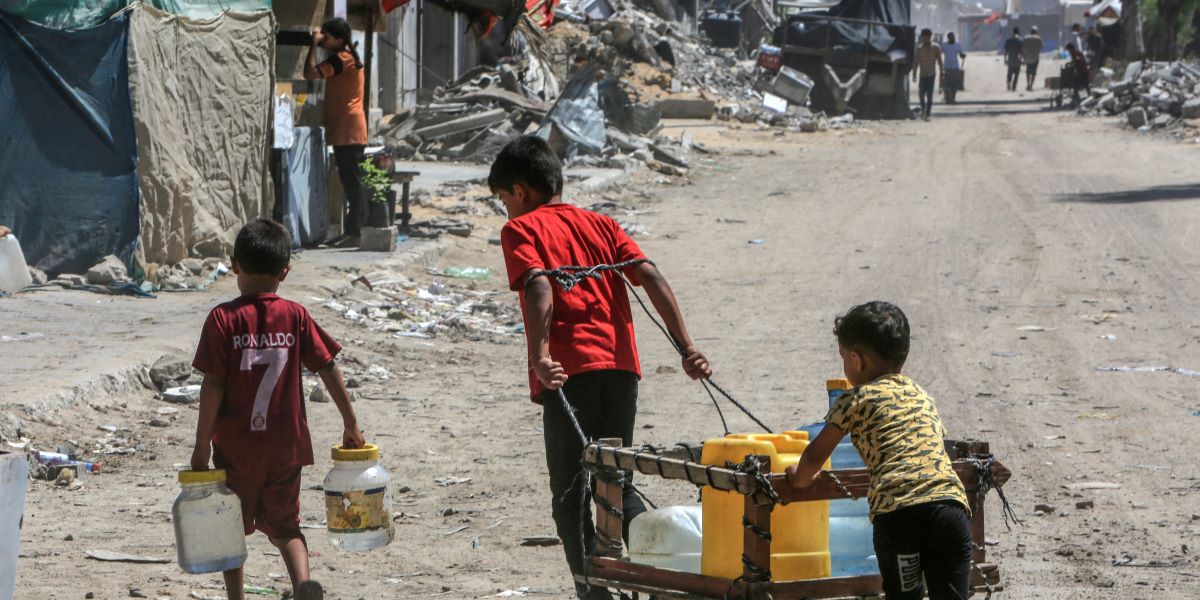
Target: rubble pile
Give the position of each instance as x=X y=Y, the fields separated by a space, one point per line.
x=597 y=91
x=1151 y=96
x=449 y=307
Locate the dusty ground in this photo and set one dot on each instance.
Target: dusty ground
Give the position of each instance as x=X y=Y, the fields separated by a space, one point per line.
x=1028 y=248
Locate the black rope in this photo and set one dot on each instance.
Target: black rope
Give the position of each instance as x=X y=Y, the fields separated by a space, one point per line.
x=987 y=481
x=567 y=277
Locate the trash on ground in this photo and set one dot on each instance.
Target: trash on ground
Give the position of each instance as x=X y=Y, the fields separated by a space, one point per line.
x=1180 y=370
x=110 y=556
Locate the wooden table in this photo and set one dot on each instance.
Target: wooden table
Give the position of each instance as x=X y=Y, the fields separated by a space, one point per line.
x=404 y=178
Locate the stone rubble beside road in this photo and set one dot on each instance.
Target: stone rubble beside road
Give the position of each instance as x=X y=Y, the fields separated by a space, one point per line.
x=1152 y=96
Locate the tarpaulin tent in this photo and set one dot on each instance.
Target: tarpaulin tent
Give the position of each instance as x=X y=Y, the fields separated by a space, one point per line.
x=81 y=14
x=202 y=96
x=67 y=180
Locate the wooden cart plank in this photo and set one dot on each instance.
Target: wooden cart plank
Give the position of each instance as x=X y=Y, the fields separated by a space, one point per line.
x=636 y=577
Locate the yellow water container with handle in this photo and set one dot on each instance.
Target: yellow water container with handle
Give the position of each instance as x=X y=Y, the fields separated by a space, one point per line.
x=799 y=531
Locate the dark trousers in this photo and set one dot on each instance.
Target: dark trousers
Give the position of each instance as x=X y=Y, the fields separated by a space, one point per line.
x=348 y=159
x=925 y=94
x=1014 y=76
x=933 y=540
x=605 y=404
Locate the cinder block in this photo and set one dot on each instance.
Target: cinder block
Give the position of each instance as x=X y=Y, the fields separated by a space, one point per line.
x=378 y=239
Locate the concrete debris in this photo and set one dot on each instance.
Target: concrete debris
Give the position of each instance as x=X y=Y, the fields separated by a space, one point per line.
x=596 y=87
x=1151 y=96
x=107 y=272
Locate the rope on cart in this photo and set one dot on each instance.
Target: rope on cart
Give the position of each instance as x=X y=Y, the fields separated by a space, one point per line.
x=567 y=277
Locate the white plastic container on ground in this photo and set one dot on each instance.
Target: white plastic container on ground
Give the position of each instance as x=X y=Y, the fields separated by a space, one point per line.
x=669 y=538
x=14 y=471
x=14 y=273
x=209 y=534
x=358 y=501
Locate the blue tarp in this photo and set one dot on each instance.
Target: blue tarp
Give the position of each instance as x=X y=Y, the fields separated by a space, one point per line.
x=68 y=184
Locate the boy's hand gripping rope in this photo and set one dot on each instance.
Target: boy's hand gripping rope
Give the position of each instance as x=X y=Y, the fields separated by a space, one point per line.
x=568 y=277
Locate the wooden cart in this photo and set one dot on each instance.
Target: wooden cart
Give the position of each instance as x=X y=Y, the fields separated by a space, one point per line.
x=606 y=568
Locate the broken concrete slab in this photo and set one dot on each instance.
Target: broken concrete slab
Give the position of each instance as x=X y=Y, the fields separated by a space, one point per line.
x=686 y=108
x=107 y=272
x=1137 y=117
x=462 y=125
x=1190 y=109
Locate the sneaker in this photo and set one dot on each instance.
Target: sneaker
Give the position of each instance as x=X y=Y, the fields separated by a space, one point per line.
x=310 y=590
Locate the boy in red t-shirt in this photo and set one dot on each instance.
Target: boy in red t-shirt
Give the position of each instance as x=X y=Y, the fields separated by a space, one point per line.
x=252 y=418
x=579 y=340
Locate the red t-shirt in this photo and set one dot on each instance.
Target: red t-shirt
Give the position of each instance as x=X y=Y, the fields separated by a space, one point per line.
x=591 y=328
x=257 y=343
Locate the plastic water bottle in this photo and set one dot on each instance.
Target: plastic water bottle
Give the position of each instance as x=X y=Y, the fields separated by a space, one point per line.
x=670 y=538
x=209 y=534
x=851 y=547
x=14 y=273
x=358 y=503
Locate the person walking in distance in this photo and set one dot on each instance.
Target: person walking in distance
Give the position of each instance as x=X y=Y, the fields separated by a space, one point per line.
x=1013 y=47
x=345 y=121
x=952 y=57
x=929 y=63
x=1032 y=53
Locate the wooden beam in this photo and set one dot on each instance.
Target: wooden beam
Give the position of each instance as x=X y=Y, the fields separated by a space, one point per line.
x=609 y=526
x=756 y=537
x=857 y=481
x=644 y=578
x=631 y=459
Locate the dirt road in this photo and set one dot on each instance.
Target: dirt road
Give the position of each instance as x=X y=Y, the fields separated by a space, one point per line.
x=1028 y=248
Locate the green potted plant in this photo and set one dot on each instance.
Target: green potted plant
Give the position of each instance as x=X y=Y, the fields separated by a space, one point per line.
x=381 y=198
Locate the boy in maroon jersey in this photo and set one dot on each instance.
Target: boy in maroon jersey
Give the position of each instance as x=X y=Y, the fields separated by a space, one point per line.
x=580 y=340
x=252 y=418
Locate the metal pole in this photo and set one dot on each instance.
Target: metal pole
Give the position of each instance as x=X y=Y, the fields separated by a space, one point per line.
x=370 y=54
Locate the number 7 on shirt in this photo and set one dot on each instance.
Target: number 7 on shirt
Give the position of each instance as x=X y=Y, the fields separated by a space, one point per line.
x=275 y=359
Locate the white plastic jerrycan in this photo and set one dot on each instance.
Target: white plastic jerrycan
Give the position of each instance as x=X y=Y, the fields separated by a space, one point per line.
x=669 y=538
x=209 y=534
x=14 y=273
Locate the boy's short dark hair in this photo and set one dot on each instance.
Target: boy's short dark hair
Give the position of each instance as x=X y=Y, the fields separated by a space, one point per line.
x=926 y=31
x=263 y=247
x=529 y=160
x=879 y=328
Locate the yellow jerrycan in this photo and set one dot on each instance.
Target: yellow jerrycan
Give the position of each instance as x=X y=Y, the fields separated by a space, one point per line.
x=799 y=531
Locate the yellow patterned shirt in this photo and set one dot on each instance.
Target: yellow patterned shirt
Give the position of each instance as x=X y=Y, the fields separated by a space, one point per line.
x=896 y=429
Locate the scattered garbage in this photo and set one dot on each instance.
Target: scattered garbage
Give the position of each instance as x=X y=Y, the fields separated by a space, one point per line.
x=444 y=308
x=188 y=394
x=1180 y=370
x=541 y=540
x=111 y=556
x=473 y=273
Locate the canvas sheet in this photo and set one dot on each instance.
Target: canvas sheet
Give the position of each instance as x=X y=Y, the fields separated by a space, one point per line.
x=82 y=14
x=203 y=96
x=306 y=187
x=68 y=186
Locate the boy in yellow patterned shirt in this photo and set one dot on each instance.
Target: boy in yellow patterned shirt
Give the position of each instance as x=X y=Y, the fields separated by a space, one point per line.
x=918 y=504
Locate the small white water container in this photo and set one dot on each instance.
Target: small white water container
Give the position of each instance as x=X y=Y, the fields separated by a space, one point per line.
x=668 y=538
x=14 y=273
